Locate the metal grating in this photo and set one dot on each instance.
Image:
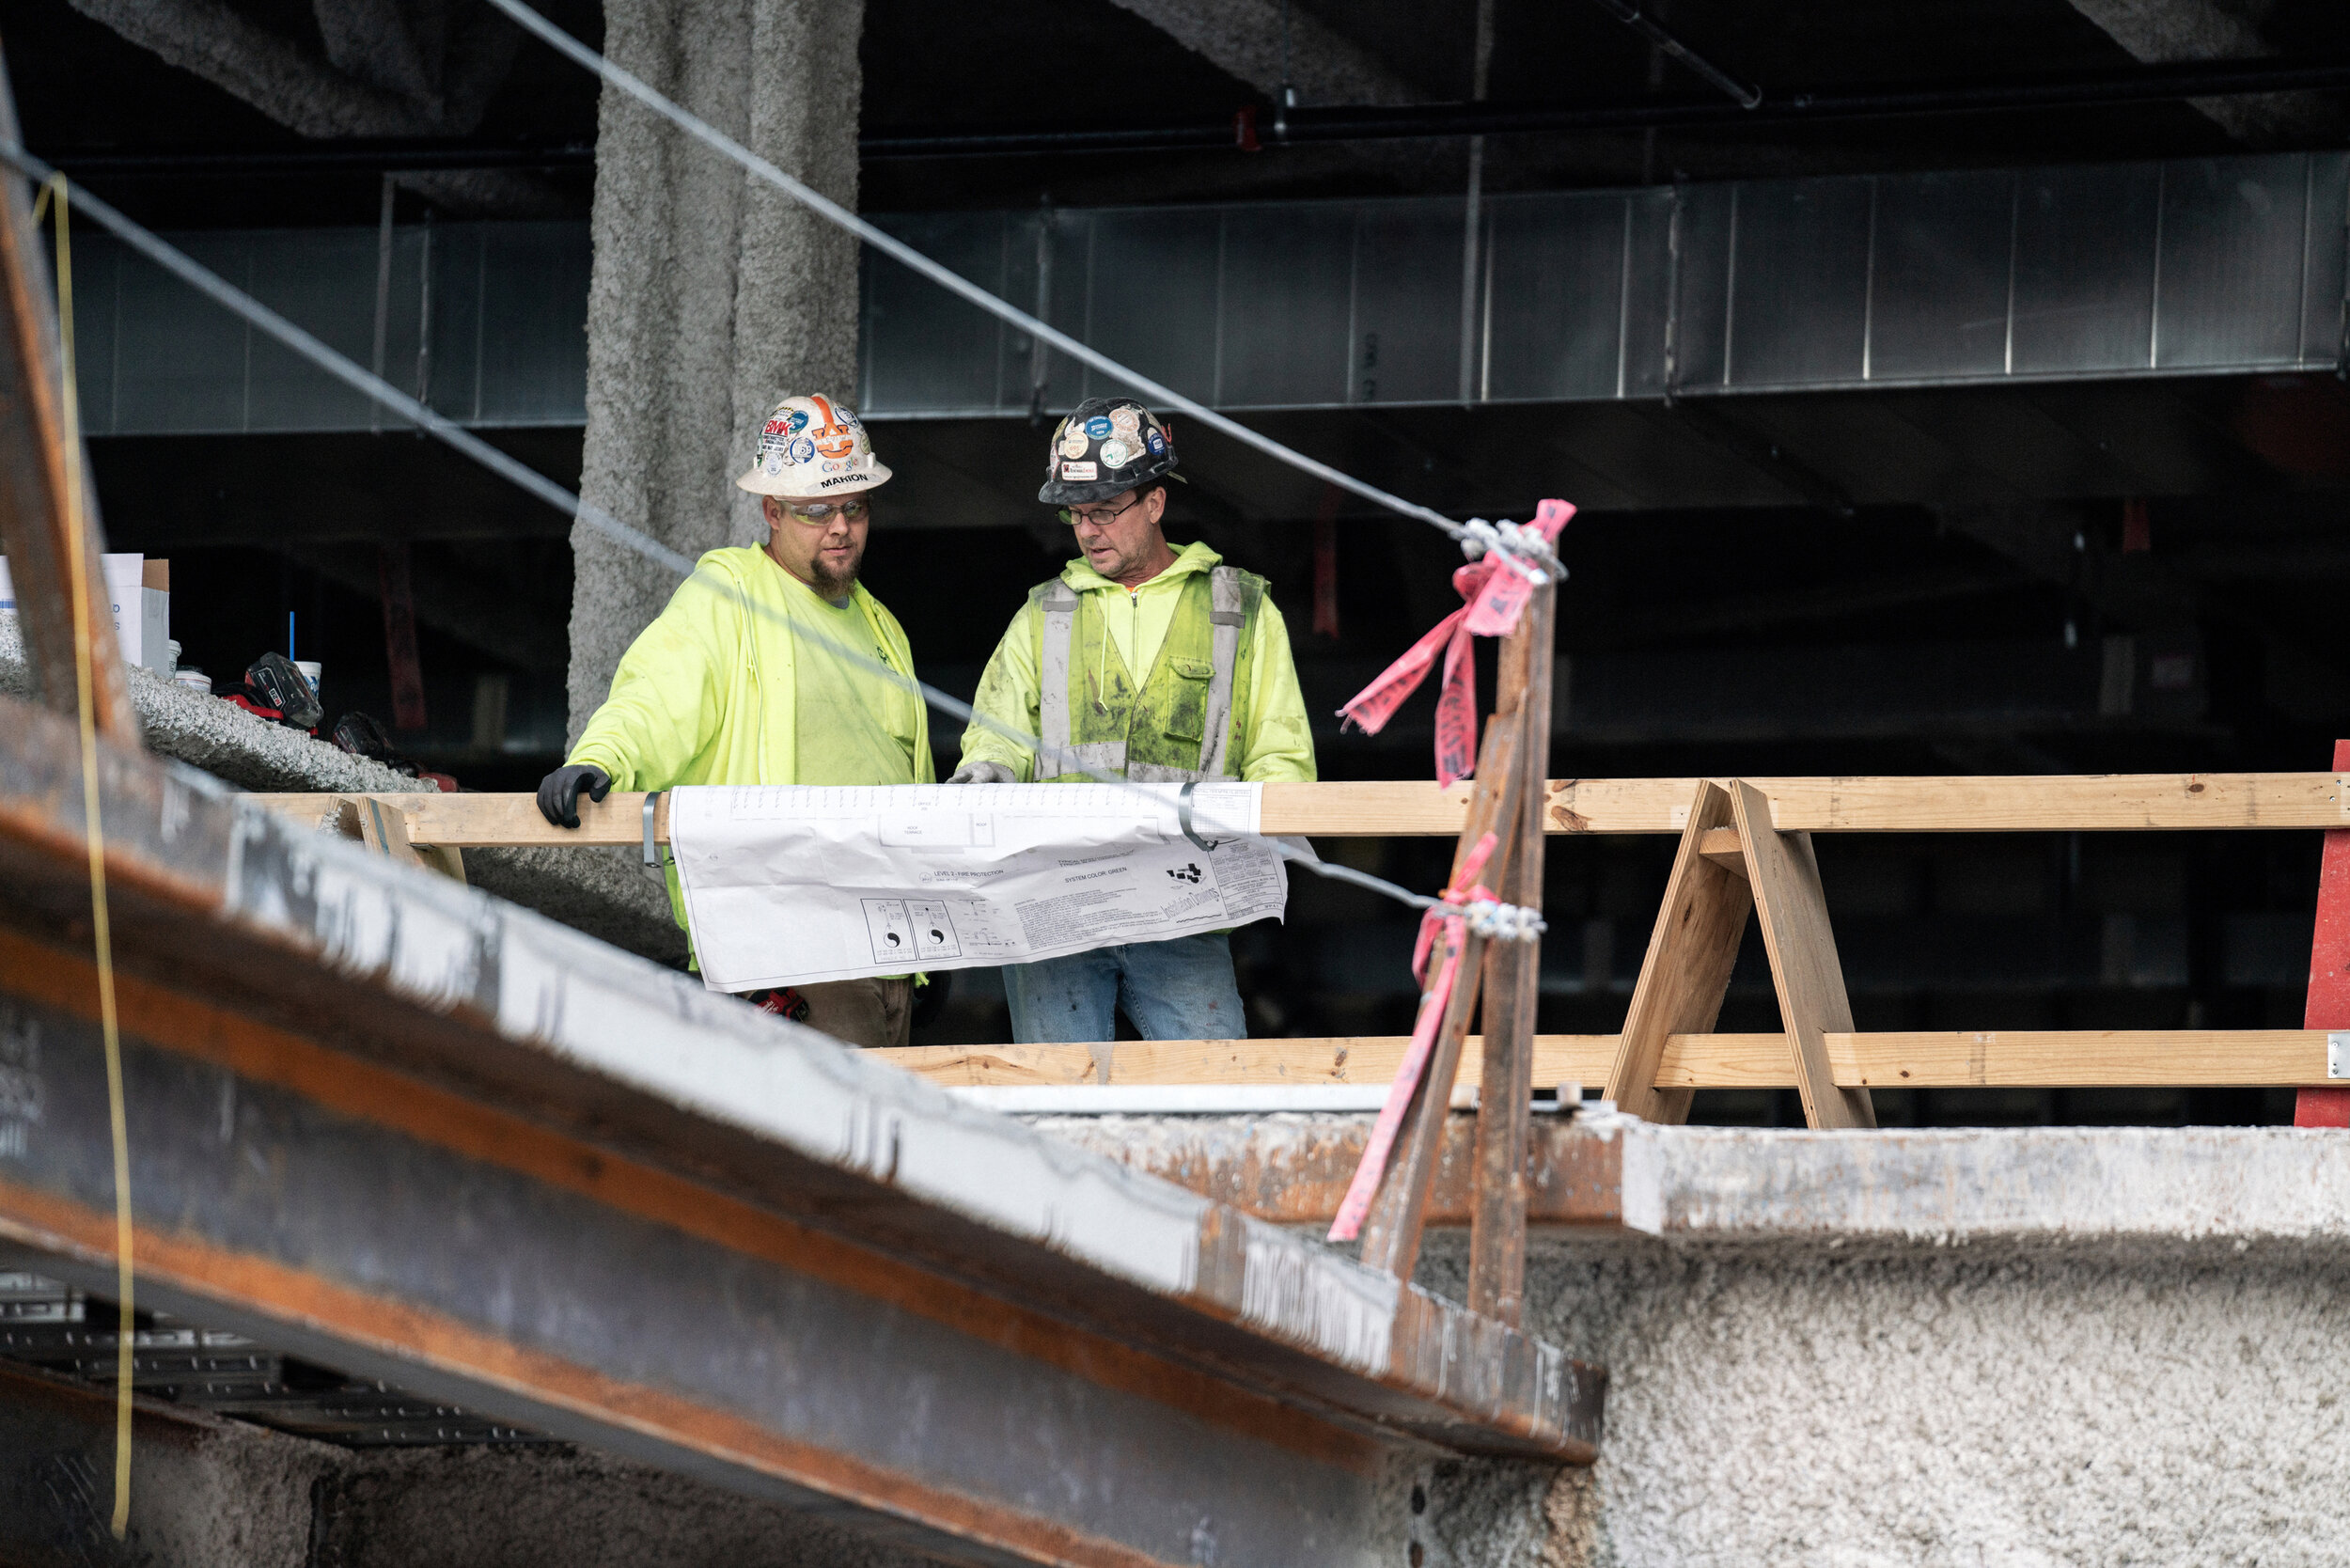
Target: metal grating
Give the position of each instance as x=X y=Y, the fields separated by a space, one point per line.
x=47 y=1324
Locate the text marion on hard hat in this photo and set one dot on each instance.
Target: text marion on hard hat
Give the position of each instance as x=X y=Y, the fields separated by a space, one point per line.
x=814 y=445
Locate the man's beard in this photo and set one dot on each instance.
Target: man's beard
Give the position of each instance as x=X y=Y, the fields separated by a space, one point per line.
x=830 y=587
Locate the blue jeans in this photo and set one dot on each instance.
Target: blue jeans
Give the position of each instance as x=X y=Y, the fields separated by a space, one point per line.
x=1177 y=990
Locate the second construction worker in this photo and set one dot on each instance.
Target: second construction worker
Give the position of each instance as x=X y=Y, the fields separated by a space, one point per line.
x=1145 y=661
x=722 y=688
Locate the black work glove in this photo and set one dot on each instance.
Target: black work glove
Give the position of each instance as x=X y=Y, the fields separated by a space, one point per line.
x=558 y=792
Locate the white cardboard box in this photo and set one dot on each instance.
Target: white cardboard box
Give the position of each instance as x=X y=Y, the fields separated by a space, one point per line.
x=141 y=593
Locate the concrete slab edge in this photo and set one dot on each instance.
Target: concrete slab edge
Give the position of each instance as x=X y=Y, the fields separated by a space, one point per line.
x=2169 y=1184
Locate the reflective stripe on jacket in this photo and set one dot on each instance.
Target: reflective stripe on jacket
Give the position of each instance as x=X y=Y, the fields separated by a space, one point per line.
x=1220 y=699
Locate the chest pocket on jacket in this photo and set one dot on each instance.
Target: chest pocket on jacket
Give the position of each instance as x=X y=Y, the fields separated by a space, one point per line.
x=900 y=710
x=1188 y=698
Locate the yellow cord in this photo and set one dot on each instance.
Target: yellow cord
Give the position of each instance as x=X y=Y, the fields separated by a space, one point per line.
x=85 y=680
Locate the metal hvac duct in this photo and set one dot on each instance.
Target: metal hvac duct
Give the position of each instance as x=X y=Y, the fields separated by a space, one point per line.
x=2195 y=266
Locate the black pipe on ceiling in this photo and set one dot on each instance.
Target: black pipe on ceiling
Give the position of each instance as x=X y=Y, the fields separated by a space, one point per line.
x=1250 y=132
x=1247 y=131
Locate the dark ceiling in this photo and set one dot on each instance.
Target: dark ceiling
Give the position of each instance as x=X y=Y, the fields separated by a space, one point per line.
x=83 y=91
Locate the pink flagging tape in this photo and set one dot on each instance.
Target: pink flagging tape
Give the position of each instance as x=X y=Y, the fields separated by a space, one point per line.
x=1365 y=1186
x=1496 y=590
x=1464 y=887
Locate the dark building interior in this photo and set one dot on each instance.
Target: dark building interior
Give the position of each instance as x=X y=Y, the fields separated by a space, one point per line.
x=2072 y=573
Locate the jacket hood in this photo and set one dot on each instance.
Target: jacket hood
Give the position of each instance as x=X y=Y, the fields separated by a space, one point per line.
x=1189 y=558
x=747 y=562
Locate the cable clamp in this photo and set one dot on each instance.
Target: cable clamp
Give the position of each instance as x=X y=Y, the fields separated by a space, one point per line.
x=1526 y=551
x=1497 y=921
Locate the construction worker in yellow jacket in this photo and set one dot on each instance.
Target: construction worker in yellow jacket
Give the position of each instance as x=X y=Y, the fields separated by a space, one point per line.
x=1218 y=698
x=722 y=689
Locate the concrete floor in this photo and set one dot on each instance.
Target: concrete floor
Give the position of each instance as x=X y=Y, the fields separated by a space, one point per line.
x=1986 y=1348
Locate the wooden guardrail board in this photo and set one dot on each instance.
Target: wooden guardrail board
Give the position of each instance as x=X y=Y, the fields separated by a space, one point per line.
x=2011 y=1059
x=1961 y=804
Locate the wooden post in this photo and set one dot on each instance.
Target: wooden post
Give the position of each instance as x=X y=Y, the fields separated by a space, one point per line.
x=1784 y=875
x=1391 y=1231
x=1686 y=972
x=1496 y=1275
x=37 y=463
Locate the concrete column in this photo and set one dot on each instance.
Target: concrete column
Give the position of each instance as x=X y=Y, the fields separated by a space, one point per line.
x=712 y=295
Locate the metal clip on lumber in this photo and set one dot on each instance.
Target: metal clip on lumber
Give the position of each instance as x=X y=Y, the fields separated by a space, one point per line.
x=1182 y=819
x=1542 y=563
x=652 y=851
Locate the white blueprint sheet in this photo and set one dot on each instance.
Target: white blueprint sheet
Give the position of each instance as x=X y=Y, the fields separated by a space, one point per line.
x=794 y=884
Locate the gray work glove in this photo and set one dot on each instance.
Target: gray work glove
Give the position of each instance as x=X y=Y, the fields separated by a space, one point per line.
x=980 y=773
x=560 y=792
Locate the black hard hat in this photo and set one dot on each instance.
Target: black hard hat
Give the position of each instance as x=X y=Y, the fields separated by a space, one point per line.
x=1107 y=446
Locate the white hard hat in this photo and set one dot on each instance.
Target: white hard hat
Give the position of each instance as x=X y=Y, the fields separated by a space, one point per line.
x=814 y=445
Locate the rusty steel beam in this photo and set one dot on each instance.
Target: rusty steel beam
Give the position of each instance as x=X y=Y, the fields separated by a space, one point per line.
x=35 y=526
x=1294 y=1170
x=474 y=1152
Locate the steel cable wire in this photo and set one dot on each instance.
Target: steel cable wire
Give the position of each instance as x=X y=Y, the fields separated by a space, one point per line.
x=350 y=373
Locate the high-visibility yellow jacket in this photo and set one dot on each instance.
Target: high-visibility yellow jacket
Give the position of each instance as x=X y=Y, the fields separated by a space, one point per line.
x=1160 y=727
x=705 y=695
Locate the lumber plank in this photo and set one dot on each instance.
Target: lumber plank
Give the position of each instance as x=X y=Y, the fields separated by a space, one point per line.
x=1971 y=804
x=40 y=471
x=1955 y=1059
x=1686 y=971
x=1391 y=1231
x=1722 y=846
x=1407 y=809
x=1336 y=1059
x=1497 y=1267
x=1783 y=875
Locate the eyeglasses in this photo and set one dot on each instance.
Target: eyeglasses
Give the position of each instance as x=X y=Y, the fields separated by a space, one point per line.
x=821 y=512
x=1100 y=517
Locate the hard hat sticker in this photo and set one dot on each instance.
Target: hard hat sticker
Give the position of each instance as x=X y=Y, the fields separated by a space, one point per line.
x=1115 y=453
x=1076 y=471
x=812 y=443
x=1098 y=427
x=1072 y=442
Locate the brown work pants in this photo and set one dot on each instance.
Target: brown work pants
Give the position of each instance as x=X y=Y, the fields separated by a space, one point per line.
x=869 y=1013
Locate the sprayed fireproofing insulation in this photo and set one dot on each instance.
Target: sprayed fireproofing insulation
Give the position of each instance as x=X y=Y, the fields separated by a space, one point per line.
x=602 y=892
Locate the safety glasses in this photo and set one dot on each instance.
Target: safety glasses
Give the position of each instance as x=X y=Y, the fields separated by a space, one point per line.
x=1100 y=517
x=822 y=511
